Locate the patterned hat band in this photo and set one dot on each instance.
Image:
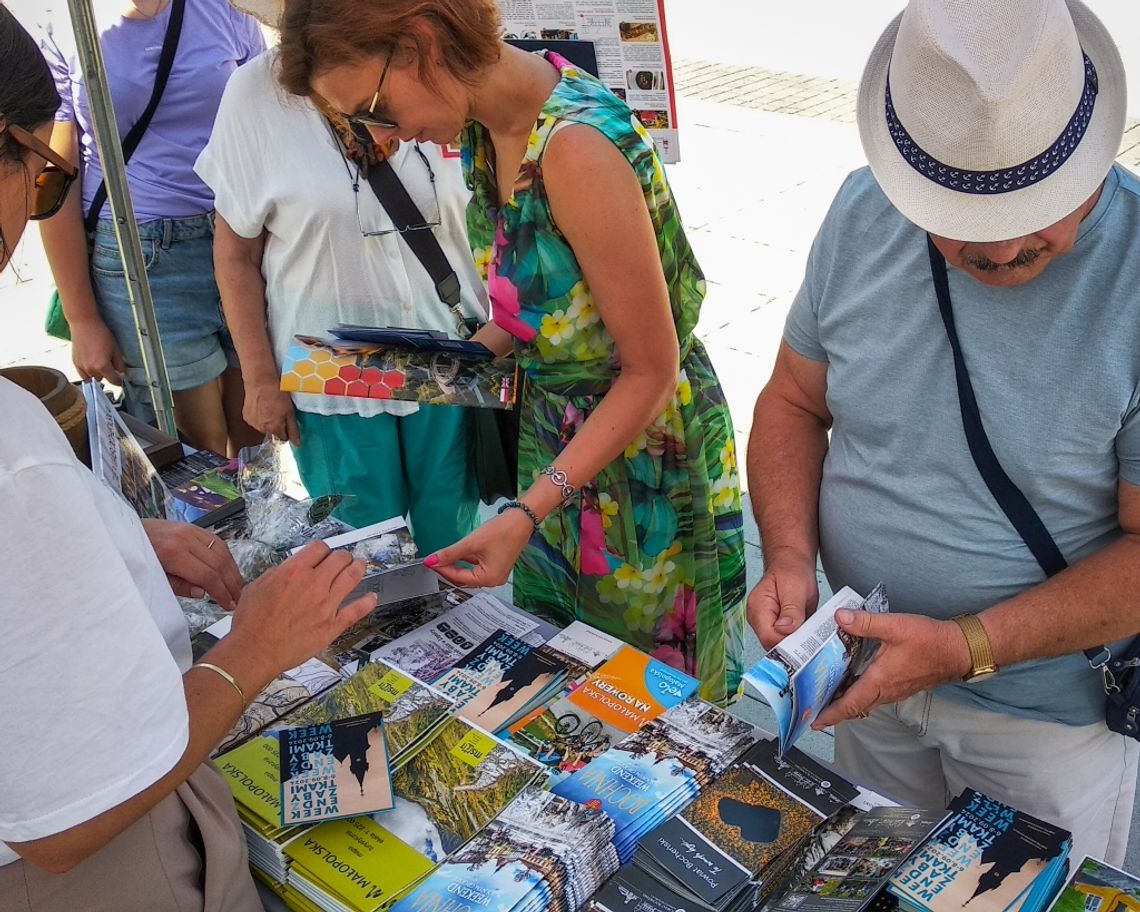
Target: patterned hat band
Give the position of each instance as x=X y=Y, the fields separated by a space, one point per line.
x=1004 y=180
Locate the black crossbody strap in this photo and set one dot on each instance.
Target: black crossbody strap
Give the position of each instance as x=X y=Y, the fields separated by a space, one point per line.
x=405 y=214
x=1008 y=495
x=135 y=134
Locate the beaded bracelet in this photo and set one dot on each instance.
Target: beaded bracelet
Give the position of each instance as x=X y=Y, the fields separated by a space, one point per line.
x=519 y=505
x=561 y=480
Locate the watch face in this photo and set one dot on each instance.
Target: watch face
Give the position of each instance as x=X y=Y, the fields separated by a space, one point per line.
x=981 y=674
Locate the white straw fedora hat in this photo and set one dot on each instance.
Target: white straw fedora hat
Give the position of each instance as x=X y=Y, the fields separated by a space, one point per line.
x=985 y=120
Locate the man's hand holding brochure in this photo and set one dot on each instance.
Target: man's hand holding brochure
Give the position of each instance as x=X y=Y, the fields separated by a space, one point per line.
x=799 y=676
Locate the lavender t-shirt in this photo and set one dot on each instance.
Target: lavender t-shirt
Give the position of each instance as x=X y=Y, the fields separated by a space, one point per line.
x=216 y=39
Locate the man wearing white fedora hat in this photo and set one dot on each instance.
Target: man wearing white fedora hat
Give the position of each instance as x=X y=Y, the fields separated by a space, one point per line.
x=970 y=322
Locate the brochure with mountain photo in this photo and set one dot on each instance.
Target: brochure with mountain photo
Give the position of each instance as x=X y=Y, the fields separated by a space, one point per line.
x=542 y=851
x=456 y=784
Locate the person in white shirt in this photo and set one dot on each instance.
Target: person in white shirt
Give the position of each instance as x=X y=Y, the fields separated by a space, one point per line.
x=106 y=801
x=303 y=243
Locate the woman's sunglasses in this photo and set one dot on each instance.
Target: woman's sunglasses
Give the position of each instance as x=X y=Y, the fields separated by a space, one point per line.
x=53 y=182
x=369 y=117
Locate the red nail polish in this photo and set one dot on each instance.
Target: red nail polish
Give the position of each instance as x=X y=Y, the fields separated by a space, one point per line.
x=431 y=560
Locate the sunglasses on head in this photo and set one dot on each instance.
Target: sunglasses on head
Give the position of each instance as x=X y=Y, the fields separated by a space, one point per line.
x=53 y=182
x=370 y=118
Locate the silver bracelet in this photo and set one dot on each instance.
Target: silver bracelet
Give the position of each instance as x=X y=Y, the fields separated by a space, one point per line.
x=519 y=505
x=561 y=480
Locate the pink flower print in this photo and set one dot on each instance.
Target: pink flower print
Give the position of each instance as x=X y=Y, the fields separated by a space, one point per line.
x=679 y=624
x=505 y=304
x=592 y=545
x=671 y=656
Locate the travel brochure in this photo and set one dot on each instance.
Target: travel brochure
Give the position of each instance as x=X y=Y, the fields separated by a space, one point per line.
x=987 y=855
x=452 y=752
x=397 y=371
x=334 y=769
x=802 y=674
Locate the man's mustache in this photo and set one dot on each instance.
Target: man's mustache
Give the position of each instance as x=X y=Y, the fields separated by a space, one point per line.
x=985 y=264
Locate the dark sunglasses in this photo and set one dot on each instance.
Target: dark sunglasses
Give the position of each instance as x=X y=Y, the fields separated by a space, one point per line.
x=370 y=118
x=53 y=182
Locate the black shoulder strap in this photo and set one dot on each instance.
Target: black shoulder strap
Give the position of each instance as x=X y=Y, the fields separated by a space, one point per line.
x=1008 y=495
x=135 y=134
x=406 y=216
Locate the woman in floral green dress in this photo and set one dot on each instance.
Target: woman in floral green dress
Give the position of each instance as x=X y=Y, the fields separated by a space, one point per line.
x=629 y=515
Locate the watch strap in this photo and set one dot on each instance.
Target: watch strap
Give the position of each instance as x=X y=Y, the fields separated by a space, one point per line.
x=978 y=642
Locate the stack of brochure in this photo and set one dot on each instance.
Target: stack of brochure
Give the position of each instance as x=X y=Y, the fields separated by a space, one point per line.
x=715 y=854
x=412 y=713
x=454 y=785
x=799 y=676
x=1098 y=887
x=503 y=680
x=542 y=853
x=387 y=622
x=431 y=649
x=653 y=773
x=988 y=855
x=854 y=871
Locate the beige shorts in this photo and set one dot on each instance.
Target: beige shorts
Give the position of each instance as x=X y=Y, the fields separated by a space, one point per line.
x=927 y=749
x=187 y=855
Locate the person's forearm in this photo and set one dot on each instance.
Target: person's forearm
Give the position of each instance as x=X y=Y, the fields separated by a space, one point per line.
x=1092 y=603
x=213 y=706
x=65 y=240
x=242 y=288
x=785 y=466
x=495 y=338
x=634 y=400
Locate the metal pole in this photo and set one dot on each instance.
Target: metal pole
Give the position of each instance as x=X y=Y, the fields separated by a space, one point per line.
x=122 y=210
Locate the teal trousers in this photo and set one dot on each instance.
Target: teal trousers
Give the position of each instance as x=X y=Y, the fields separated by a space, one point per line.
x=417 y=466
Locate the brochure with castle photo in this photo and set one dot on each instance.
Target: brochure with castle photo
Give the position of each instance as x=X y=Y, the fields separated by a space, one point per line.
x=334 y=769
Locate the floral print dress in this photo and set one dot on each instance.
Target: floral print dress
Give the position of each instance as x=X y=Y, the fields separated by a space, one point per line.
x=652 y=549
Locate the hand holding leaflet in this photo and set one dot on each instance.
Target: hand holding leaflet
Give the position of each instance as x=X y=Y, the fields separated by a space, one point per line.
x=800 y=675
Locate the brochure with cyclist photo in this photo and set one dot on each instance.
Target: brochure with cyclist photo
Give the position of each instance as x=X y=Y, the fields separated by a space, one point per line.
x=799 y=676
x=631 y=688
x=564 y=738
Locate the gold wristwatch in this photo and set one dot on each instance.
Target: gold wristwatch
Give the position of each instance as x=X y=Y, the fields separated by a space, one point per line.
x=981 y=654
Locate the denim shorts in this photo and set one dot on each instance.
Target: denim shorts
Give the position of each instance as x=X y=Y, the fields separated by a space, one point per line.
x=179 y=259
